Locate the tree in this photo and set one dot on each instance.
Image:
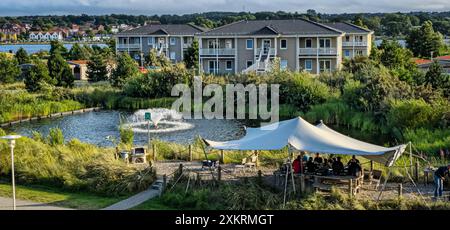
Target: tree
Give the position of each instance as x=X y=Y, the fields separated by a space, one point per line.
x=9 y=69
x=78 y=52
x=59 y=70
x=36 y=76
x=97 y=69
x=126 y=68
x=152 y=58
x=437 y=79
x=191 y=56
x=56 y=46
x=424 y=40
x=22 y=56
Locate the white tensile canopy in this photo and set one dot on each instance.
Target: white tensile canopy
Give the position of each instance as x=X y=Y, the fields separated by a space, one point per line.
x=304 y=136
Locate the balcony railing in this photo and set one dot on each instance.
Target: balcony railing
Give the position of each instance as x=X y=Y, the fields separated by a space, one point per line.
x=129 y=46
x=267 y=51
x=354 y=43
x=317 y=51
x=217 y=51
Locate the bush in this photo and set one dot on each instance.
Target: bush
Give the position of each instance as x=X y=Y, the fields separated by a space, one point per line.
x=126 y=135
x=55 y=136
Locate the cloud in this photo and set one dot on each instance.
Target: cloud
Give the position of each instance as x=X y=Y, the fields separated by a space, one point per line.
x=43 y=7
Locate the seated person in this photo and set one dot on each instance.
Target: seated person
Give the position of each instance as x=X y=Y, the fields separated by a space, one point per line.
x=353 y=166
x=338 y=166
x=296 y=165
x=325 y=168
x=318 y=159
x=310 y=166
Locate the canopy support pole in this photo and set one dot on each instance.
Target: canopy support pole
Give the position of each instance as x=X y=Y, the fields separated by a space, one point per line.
x=410 y=158
x=384 y=184
x=285 y=186
x=291 y=169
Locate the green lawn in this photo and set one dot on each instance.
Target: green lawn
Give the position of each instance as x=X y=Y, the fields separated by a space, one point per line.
x=57 y=197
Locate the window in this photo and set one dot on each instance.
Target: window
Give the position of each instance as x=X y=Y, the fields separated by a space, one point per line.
x=359 y=53
x=229 y=65
x=283 y=44
x=249 y=63
x=172 y=55
x=325 y=65
x=325 y=43
x=347 y=38
x=308 y=43
x=228 y=44
x=347 y=53
x=249 y=44
x=283 y=64
x=212 y=66
x=212 y=44
x=173 y=41
x=308 y=65
x=151 y=40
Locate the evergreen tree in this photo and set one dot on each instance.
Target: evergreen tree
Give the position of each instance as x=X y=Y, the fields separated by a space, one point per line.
x=126 y=68
x=60 y=70
x=9 y=69
x=22 y=56
x=424 y=40
x=437 y=79
x=191 y=56
x=36 y=76
x=152 y=58
x=56 y=46
x=97 y=69
x=78 y=52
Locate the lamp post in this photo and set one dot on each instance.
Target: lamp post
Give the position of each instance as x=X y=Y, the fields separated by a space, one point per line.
x=12 y=142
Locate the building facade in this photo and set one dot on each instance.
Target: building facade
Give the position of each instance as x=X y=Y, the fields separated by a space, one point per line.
x=300 y=45
x=46 y=36
x=170 y=40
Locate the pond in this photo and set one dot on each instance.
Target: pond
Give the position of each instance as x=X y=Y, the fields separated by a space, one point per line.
x=35 y=48
x=94 y=127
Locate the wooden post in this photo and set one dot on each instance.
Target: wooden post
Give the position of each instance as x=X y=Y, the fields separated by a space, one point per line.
x=164 y=182
x=190 y=152
x=180 y=169
x=416 y=171
x=371 y=166
x=154 y=152
x=219 y=173
x=221 y=159
x=302 y=183
x=350 y=188
x=259 y=176
x=400 y=190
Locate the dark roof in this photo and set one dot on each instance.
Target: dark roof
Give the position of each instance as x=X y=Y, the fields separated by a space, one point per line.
x=164 y=29
x=271 y=27
x=347 y=27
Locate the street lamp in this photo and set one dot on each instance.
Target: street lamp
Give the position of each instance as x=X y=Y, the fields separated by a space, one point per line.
x=12 y=142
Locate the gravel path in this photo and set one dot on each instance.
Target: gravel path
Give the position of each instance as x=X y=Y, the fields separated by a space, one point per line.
x=6 y=204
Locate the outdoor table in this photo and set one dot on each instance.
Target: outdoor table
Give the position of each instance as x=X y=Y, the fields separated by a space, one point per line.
x=354 y=183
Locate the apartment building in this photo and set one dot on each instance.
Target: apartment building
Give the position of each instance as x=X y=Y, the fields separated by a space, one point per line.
x=300 y=45
x=357 y=41
x=46 y=36
x=170 y=40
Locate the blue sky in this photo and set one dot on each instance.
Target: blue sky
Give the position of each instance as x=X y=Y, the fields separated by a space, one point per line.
x=149 y=7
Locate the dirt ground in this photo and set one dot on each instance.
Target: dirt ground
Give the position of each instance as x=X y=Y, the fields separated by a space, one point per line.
x=233 y=172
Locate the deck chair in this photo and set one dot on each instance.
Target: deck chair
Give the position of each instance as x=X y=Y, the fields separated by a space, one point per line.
x=376 y=178
x=252 y=163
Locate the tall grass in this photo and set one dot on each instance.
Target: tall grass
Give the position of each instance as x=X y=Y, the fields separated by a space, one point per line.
x=73 y=166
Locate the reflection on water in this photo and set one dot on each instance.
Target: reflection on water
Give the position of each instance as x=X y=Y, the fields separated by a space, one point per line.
x=94 y=127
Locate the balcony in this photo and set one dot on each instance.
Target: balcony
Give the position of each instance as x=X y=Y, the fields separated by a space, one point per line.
x=267 y=51
x=129 y=46
x=317 y=51
x=217 y=52
x=354 y=43
x=186 y=45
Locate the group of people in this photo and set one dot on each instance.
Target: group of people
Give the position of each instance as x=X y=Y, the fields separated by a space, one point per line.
x=323 y=166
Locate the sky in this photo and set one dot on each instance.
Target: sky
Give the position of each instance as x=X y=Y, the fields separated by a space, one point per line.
x=151 y=7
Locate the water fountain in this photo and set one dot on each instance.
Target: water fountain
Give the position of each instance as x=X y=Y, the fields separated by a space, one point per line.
x=162 y=121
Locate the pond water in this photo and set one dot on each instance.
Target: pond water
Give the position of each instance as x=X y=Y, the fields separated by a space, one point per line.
x=35 y=48
x=94 y=127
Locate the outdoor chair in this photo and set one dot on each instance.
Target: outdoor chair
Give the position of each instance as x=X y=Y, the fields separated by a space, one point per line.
x=375 y=177
x=252 y=163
